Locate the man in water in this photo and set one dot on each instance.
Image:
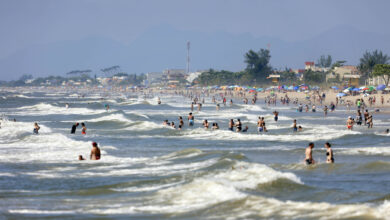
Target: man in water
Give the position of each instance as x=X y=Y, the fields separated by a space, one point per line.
x=95 y=152
x=309 y=154
x=190 y=119
x=73 y=131
x=276 y=114
x=294 y=126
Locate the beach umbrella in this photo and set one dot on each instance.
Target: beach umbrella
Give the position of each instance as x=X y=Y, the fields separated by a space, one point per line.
x=341 y=94
x=365 y=88
x=346 y=90
x=371 y=88
x=356 y=89
x=335 y=87
x=296 y=88
x=381 y=87
x=252 y=90
x=260 y=89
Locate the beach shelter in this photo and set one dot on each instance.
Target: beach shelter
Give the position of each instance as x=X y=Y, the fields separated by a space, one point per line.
x=381 y=87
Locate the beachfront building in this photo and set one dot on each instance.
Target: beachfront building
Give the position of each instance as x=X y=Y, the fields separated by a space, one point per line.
x=153 y=78
x=347 y=74
x=174 y=76
x=274 y=78
x=375 y=81
x=310 y=65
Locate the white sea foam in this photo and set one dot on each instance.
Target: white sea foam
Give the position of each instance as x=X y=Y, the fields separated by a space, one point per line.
x=44 y=108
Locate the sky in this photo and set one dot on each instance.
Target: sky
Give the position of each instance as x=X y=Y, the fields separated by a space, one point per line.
x=25 y=23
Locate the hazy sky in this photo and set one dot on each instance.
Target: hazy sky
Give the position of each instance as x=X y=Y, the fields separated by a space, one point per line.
x=28 y=22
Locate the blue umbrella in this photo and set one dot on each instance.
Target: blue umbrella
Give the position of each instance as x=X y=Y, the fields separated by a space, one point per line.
x=335 y=87
x=341 y=94
x=296 y=87
x=381 y=87
x=356 y=89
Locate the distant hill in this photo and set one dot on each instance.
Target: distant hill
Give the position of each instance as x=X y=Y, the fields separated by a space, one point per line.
x=165 y=47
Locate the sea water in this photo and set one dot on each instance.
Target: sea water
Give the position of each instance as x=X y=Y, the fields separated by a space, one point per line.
x=152 y=171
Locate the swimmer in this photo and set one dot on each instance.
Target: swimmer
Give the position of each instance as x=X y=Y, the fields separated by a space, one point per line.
x=215 y=126
x=238 y=125
x=309 y=154
x=67 y=105
x=329 y=153
x=191 y=119
x=173 y=125
x=165 y=122
x=36 y=128
x=325 y=110
x=260 y=125
x=387 y=131
x=81 y=157
x=300 y=128
x=370 y=122
x=181 y=122
x=294 y=126
x=206 y=124
x=158 y=101
x=231 y=124
x=83 y=129
x=73 y=130
x=95 y=152
x=276 y=114
x=350 y=123
x=245 y=129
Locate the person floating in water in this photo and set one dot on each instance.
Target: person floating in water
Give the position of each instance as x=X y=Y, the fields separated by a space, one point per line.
x=245 y=129
x=36 y=128
x=95 y=152
x=329 y=153
x=73 y=130
x=81 y=157
x=215 y=126
x=83 y=129
x=309 y=154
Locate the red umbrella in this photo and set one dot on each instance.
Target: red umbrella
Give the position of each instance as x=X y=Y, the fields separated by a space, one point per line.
x=365 y=88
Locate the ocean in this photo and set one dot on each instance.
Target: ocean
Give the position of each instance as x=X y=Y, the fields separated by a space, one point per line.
x=152 y=171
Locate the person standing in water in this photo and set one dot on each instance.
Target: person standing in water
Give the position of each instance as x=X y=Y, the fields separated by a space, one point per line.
x=181 y=122
x=325 y=110
x=83 y=129
x=73 y=130
x=190 y=119
x=36 y=128
x=95 y=152
x=329 y=153
x=206 y=124
x=238 y=125
x=309 y=154
x=276 y=114
x=350 y=123
x=231 y=124
x=294 y=126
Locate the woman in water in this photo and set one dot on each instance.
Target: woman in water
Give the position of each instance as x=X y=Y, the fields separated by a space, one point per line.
x=329 y=153
x=95 y=152
x=231 y=124
x=36 y=128
x=83 y=129
x=206 y=124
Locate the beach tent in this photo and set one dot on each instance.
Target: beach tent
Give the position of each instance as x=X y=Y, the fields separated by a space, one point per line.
x=341 y=94
x=381 y=87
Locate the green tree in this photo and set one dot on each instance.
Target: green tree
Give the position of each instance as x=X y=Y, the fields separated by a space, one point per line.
x=369 y=60
x=258 y=64
x=325 y=61
x=310 y=76
x=382 y=70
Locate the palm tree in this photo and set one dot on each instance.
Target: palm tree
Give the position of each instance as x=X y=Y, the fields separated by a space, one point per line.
x=369 y=60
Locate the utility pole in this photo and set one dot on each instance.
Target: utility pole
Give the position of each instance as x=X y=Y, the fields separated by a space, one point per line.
x=188 y=57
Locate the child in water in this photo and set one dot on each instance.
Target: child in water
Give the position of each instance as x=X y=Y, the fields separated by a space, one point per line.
x=83 y=129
